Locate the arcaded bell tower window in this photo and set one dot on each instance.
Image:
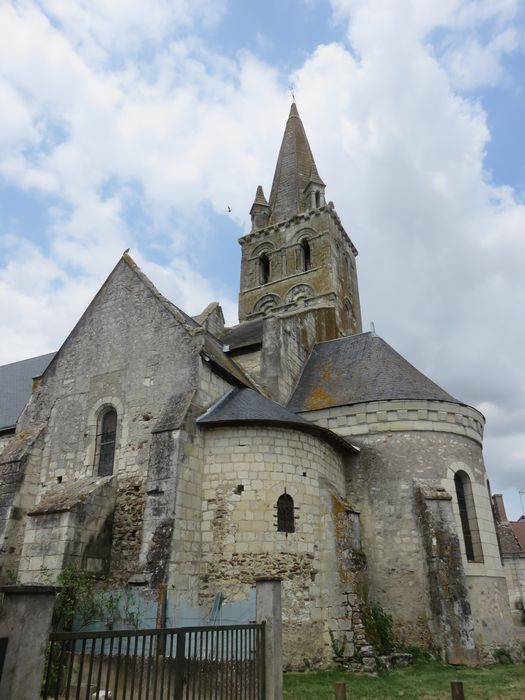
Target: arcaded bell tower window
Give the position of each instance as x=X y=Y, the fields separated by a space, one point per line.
x=264 y=263
x=285 y=514
x=106 y=440
x=306 y=255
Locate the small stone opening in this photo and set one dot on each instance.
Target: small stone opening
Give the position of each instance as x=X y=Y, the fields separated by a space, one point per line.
x=285 y=513
x=239 y=489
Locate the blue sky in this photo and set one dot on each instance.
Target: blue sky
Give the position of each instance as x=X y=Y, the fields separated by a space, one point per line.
x=131 y=124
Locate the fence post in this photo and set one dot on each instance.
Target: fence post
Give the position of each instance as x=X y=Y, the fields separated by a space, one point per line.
x=456 y=688
x=268 y=604
x=340 y=691
x=180 y=661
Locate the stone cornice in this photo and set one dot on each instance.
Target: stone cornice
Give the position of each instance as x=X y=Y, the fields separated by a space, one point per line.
x=401 y=416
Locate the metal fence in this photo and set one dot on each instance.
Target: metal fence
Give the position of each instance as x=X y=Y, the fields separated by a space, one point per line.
x=186 y=663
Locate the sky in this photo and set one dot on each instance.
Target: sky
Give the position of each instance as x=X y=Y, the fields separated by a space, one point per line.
x=132 y=124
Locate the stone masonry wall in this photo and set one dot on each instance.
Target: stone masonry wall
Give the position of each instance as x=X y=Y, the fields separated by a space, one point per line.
x=287 y=343
x=514 y=568
x=129 y=351
x=186 y=550
x=326 y=279
x=19 y=485
x=246 y=470
x=405 y=444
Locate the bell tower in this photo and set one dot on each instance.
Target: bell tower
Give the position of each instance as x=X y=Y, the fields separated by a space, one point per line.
x=297 y=255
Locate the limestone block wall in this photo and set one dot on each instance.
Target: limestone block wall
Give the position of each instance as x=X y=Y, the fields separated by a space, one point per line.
x=186 y=547
x=19 y=487
x=404 y=445
x=246 y=470
x=287 y=343
x=250 y=362
x=73 y=526
x=327 y=279
x=514 y=568
x=173 y=485
x=129 y=351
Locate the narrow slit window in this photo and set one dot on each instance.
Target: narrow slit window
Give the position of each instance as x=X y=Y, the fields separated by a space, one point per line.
x=317 y=199
x=306 y=255
x=106 y=439
x=285 y=513
x=264 y=263
x=467 y=514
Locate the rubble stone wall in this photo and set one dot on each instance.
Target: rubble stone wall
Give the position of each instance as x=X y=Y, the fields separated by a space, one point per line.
x=246 y=470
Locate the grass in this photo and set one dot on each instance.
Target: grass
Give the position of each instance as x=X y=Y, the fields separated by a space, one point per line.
x=423 y=681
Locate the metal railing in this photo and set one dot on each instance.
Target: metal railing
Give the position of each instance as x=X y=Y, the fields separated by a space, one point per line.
x=187 y=663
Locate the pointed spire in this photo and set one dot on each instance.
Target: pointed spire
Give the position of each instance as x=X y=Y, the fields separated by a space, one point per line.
x=295 y=165
x=315 y=177
x=260 y=211
x=259 y=197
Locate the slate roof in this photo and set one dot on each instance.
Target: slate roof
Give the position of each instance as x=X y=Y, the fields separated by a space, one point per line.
x=243 y=406
x=16 y=384
x=360 y=368
x=244 y=335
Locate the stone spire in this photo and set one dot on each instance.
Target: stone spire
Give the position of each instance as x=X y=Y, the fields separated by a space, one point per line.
x=260 y=211
x=259 y=197
x=294 y=171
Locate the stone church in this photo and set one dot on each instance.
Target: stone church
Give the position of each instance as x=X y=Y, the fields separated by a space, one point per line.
x=180 y=455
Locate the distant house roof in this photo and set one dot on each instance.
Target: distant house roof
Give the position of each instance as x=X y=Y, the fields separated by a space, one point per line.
x=243 y=406
x=244 y=335
x=518 y=528
x=16 y=384
x=357 y=369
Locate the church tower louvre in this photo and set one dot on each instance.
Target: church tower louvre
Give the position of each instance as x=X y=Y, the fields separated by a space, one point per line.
x=297 y=255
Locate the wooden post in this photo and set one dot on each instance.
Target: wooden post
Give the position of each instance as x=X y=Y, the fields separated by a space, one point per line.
x=340 y=691
x=456 y=688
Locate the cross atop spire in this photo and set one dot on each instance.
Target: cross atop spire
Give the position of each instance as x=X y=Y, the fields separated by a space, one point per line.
x=295 y=170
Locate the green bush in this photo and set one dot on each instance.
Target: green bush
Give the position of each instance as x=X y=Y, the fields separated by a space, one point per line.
x=379 y=628
x=502 y=656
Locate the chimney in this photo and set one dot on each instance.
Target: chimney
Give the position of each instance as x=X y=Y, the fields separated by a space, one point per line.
x=499 y=508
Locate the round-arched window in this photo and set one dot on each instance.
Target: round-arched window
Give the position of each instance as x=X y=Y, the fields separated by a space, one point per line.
x=285 y=513
x=106 y=441
x=306 y=255
x=264 y=267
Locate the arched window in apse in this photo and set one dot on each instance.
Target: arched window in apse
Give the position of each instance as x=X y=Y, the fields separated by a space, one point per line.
x=285 y=513
x=467 y=514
